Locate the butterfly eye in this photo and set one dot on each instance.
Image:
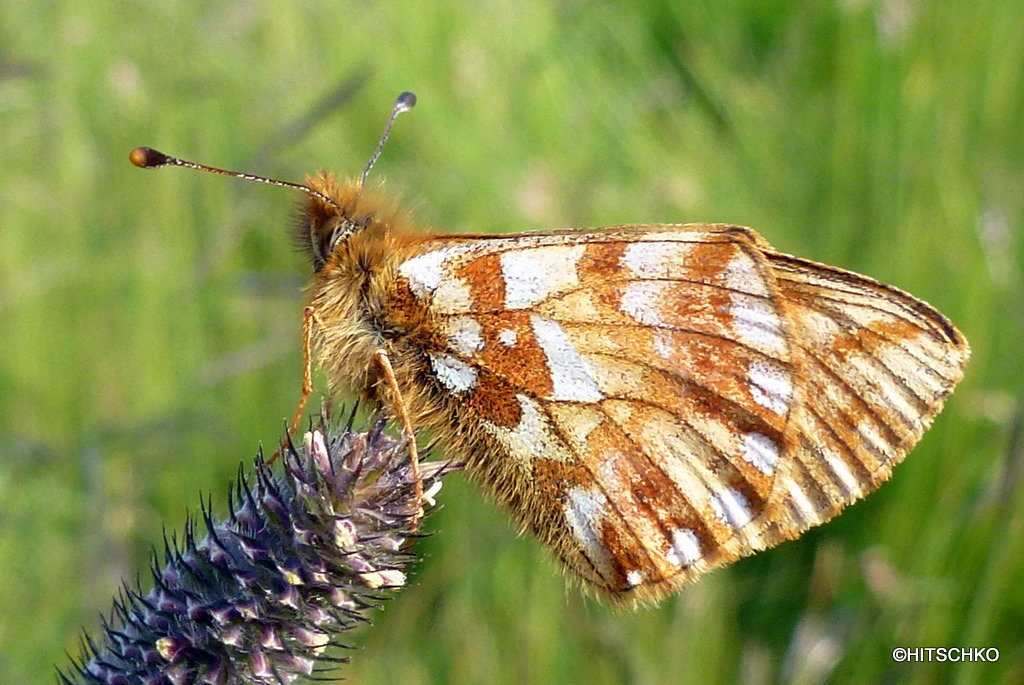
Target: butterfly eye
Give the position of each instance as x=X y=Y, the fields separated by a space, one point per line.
x=323 y=243
x=332 y=240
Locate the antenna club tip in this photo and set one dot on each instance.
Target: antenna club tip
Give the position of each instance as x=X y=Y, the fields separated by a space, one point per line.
x=147 y=157
x=405 y=101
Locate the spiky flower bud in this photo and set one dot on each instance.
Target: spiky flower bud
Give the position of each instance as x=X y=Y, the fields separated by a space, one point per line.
x=299 y=560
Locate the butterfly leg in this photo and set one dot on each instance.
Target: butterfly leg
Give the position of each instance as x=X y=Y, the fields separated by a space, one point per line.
x=309 y=317
x=403 y=415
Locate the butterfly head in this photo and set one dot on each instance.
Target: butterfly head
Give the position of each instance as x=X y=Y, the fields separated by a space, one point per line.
x=337 y=210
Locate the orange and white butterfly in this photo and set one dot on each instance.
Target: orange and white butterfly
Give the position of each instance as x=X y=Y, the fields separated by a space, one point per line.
x=651 y=401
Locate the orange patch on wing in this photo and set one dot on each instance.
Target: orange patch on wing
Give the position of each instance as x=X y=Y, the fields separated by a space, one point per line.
x=522 y=364
x=494 y=400
x=486 y=282
x=405 y=311
x=600 y=261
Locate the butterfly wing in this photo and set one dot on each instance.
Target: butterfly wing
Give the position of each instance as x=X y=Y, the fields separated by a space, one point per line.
x=644 y=398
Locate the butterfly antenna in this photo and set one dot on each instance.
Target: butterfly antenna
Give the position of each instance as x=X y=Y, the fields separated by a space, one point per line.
x=148 y=158
x=404 y=103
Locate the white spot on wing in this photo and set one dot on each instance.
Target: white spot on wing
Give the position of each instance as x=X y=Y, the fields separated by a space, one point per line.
x=808 y=511
x=426 y=270
x=532 y=275
x=843 y=473
x=572 y=377
x=655 y=260
x=464 y=336
x=452 y=296
x=685 y=548
x=454 y=374
x=584 y=511
x=731 y=507
x=873 y=438
x=430 y=278
x=760 y=452
x=743 y=274
x=757 y=324
x=770 y=386
x=640 y=299
x=507 y=337
x=634 y=578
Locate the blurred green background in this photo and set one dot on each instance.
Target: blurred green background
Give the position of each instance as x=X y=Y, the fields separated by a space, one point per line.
x=149 y=321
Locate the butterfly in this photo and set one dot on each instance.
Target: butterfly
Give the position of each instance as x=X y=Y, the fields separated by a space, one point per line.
x=651 y=401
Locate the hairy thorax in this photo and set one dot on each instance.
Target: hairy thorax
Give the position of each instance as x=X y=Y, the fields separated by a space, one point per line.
x=363 y=308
